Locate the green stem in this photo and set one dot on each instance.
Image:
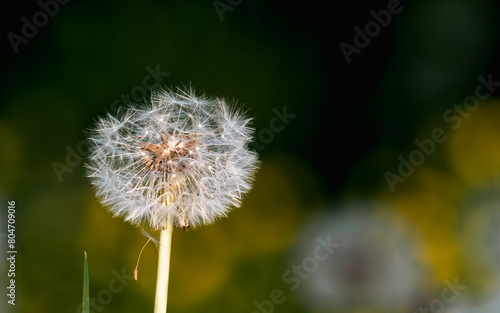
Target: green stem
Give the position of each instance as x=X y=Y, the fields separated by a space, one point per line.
x=163 y=267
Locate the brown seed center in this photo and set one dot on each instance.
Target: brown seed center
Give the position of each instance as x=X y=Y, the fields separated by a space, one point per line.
x=172 y=155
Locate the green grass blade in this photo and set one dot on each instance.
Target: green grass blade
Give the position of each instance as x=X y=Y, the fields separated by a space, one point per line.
x=85 y=301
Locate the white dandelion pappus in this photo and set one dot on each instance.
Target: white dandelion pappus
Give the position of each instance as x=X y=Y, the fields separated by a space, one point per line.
x=181 y=156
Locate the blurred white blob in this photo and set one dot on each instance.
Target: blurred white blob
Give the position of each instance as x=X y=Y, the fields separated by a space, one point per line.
x=478 y=306
x=479 y=233
x=374 y=268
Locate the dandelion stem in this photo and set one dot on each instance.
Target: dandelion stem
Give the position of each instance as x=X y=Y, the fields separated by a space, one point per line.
x=163 y=267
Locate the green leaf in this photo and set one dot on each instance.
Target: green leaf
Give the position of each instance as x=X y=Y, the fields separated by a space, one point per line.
x=85 y=301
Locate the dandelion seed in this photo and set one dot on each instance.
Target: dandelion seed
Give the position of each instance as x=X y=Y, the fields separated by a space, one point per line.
x=136 y=269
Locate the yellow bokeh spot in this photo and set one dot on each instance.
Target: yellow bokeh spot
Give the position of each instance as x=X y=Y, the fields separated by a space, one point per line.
x=10 y=158
x=201 y=263
x=429 y=199
x=474 y=147
x=270 y=215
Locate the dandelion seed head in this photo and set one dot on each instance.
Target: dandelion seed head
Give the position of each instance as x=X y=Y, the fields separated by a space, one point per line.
x=181 y=156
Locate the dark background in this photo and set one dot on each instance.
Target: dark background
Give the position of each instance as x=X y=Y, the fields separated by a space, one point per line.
x=352 y=122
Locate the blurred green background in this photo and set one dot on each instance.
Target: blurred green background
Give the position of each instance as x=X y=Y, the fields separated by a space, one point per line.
x=323 y=176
